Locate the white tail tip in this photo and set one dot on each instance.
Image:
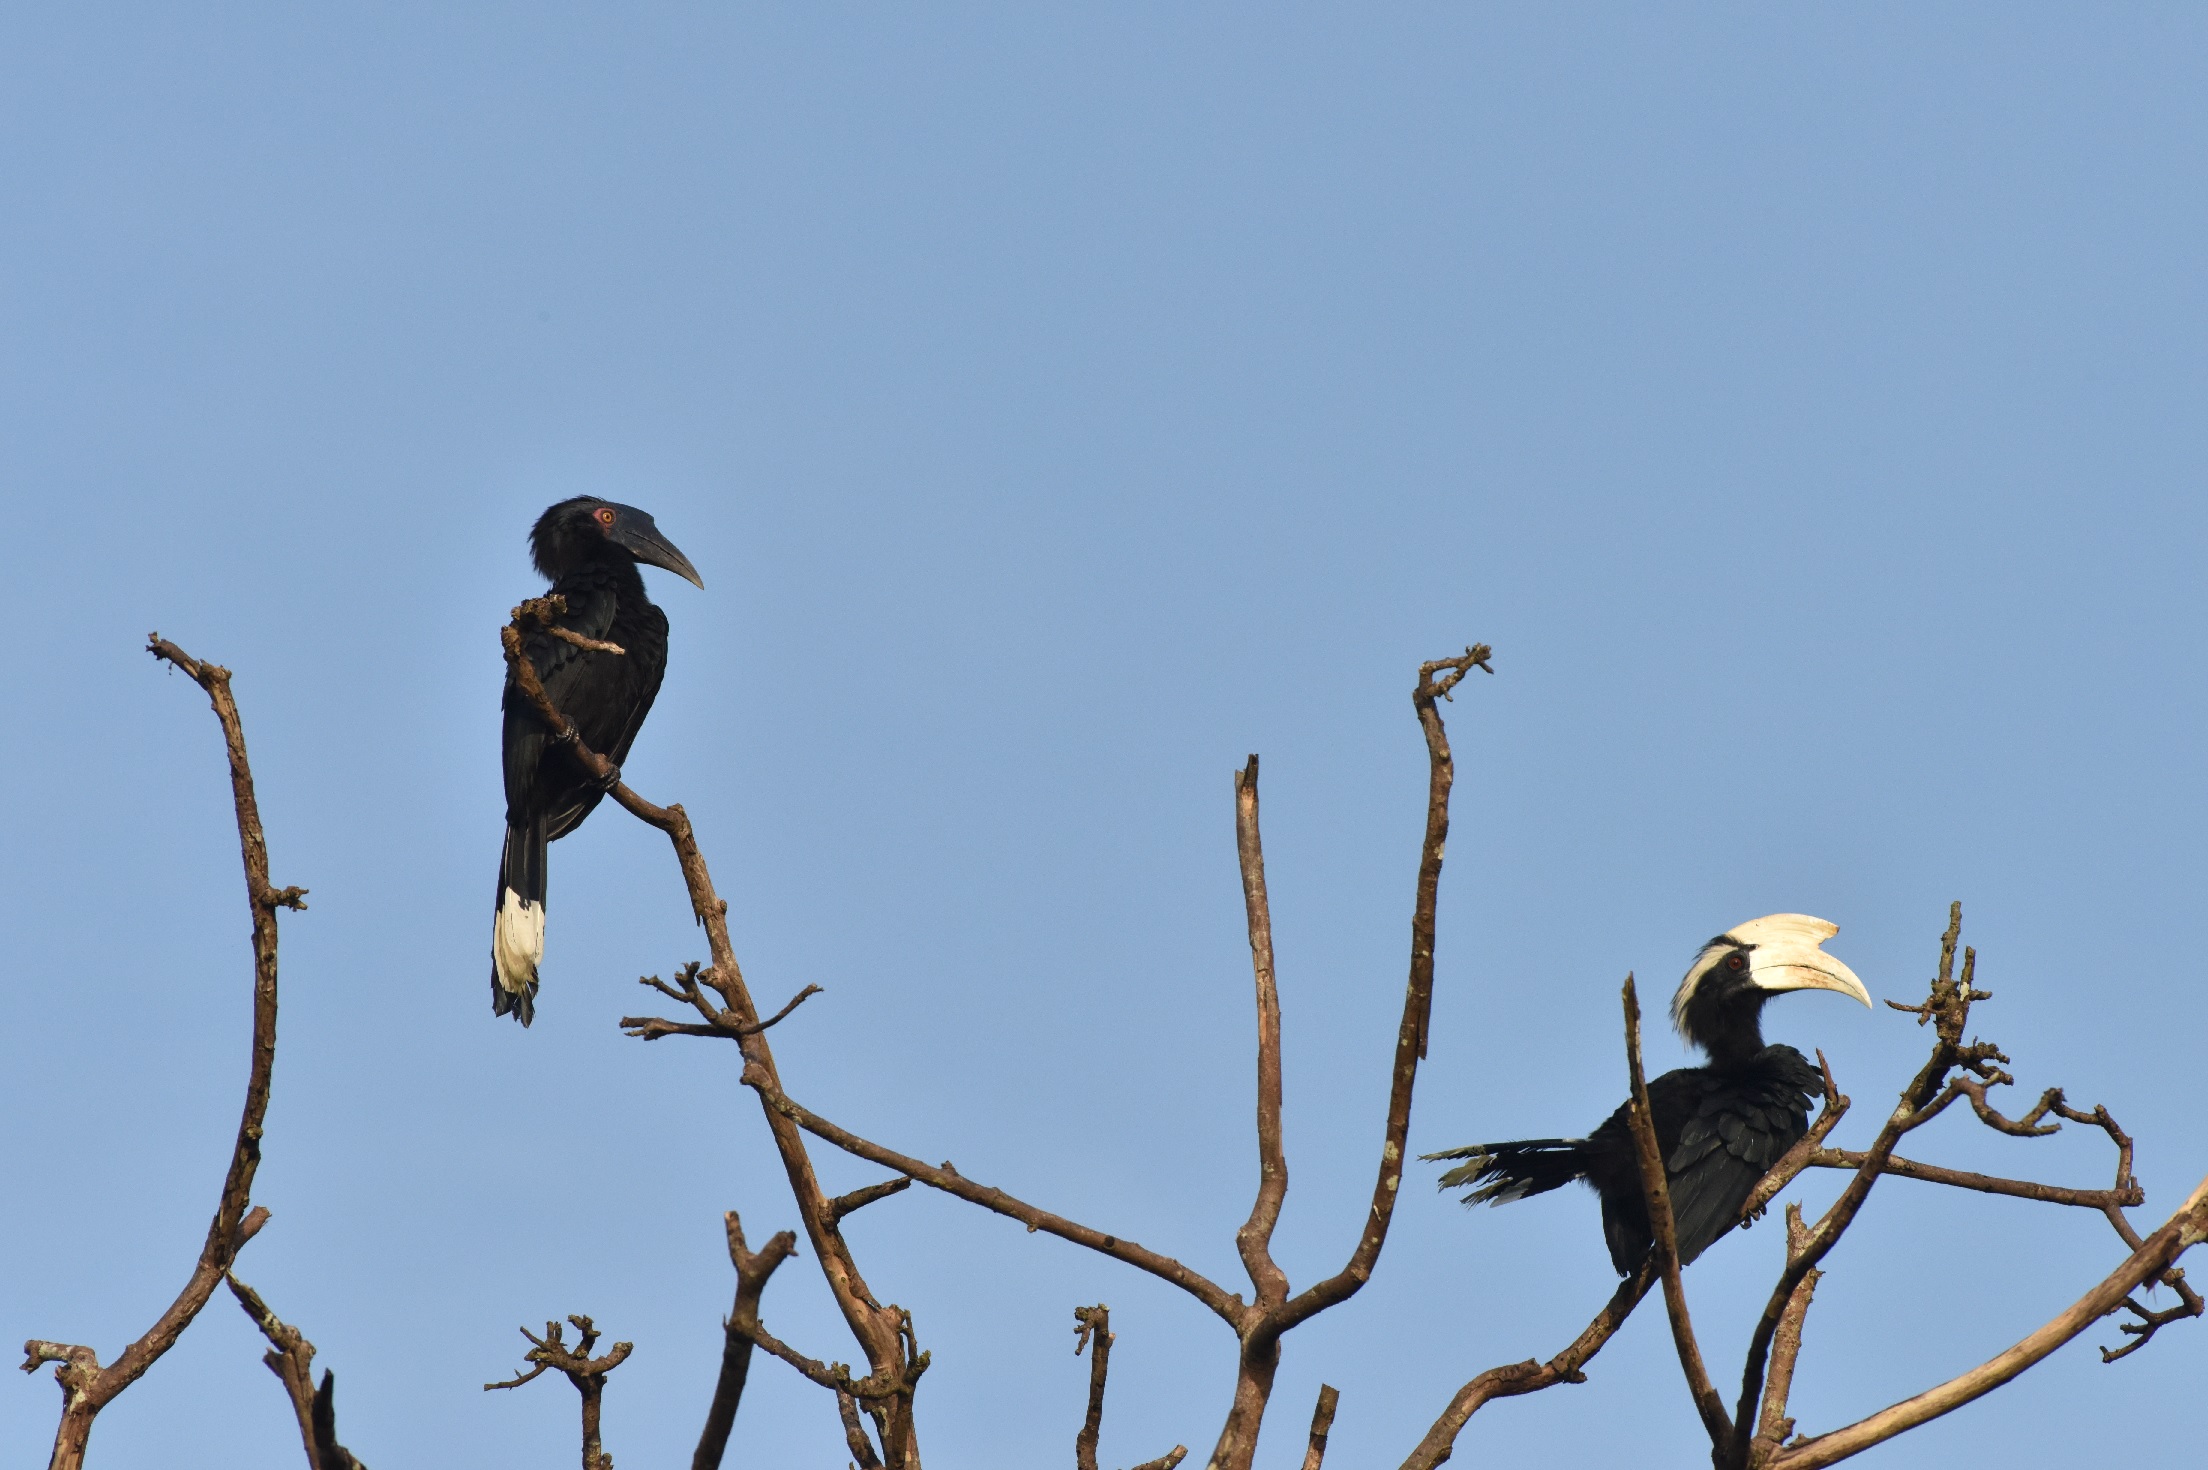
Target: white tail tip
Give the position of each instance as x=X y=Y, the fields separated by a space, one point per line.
x=517 y=943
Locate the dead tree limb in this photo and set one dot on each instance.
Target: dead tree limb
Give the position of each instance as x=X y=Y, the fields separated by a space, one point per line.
x=291 y=1358
x=86 y=1387
x=1092 y=1330
x=1322 y=1424
x=884 y=1333
x=1772 y=1425
x=587 y=1373
x=1921 y=1101
x=1258 y=1325
x=753 y=1268
x=2186 y=1228
x=1531 y=1376
x=1510 y=1380
x=1977 y=1067
x=1656 y=1194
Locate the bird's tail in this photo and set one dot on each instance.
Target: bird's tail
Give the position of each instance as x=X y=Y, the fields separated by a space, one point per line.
x=1502 y=1172
x=517 y=939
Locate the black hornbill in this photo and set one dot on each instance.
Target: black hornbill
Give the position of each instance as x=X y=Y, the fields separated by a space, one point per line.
x=1719 y=1128
x=589 y=549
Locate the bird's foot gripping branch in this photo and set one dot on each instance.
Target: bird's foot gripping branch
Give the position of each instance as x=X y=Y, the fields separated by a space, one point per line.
x=1757 y=1432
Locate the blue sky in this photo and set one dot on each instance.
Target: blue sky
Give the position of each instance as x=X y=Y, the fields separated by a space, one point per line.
x=1061 y=403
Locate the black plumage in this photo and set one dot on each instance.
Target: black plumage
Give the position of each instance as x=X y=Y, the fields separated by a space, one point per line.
x=1719 y=1127
x=589 y=549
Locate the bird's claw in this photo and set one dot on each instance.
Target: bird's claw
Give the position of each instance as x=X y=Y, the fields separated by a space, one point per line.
x=611 y=778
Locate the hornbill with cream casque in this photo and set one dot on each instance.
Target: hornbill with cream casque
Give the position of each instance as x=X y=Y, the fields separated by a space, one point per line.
x=589 y=550
x=1719 y=1128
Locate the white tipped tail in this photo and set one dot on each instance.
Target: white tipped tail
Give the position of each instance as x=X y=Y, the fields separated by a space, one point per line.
x=517 y=944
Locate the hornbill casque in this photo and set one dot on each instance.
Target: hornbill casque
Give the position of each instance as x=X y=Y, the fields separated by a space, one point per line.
x=589 y=550
x=1719 y=1128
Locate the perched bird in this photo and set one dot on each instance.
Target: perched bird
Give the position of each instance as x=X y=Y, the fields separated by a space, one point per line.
x=1719 y=1128
x=589 y=549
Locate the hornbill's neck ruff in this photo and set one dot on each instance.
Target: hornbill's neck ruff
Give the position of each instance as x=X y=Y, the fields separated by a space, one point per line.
x=1719 y=1128
x=589 y=550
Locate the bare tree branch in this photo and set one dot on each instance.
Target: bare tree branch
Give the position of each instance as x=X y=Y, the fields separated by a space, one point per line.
x=1092 y=1325
x=588 y=1374
x=1656 y=1192
x=859 y=1199
x=1772 y=1425
x=884 y=1333
x=1512 y=1379
x=652 y=1028
x=854 y=1433
x=1322 y=1424
x=1948 y=1007
x=2052 y=1194
x=1258 y=1325
x=2185 y=1229
x=86 y=1387
x=1254 y=1239
x=291 y=1359
x=753 y=1268
x=948 y=1180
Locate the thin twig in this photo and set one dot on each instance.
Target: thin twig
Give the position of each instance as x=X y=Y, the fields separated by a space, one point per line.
x=859 y=1199
x=652 y=1028
x=2052 y=1194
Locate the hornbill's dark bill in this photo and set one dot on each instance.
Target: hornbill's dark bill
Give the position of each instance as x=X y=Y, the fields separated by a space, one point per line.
x=589 y=549
x=1719 y=1128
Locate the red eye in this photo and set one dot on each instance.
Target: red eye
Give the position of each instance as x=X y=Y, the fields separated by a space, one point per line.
x=605 y=515
x=1737 y=960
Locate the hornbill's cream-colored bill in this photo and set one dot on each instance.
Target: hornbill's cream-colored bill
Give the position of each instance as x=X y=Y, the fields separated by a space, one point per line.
x=1783 y=952
x=1787 y=954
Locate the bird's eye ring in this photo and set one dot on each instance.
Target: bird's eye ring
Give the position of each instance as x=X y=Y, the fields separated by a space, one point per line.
x=604 y=515
x=1737 y=960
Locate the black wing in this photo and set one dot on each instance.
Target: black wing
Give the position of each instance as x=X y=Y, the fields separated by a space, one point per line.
x=569 y=675
x=1742 y=1124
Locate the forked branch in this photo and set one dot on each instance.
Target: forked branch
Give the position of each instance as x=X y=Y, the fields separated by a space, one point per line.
x=291 y=1358
x=1258 y=1324
x=86 y=1387
x=739 y=1332
x=587 y=1373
